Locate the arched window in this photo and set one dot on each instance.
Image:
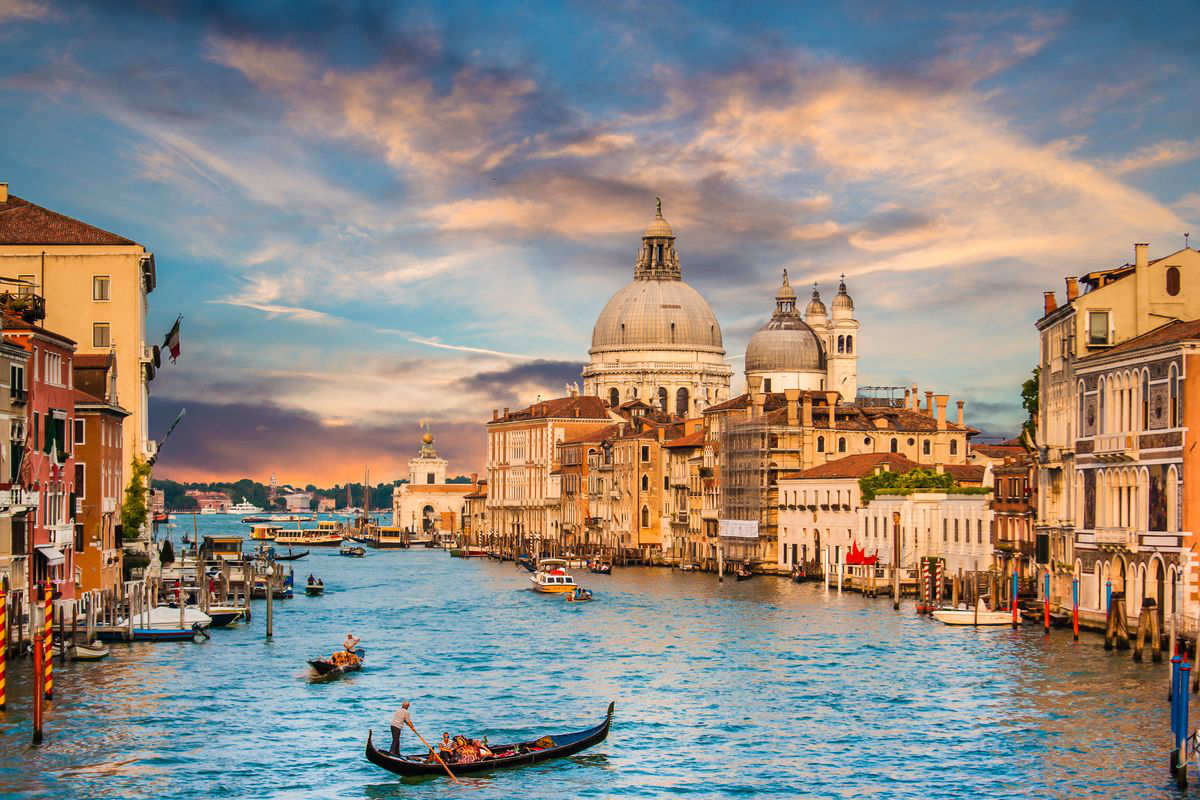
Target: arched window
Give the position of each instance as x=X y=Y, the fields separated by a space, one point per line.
x=841 y=344
x=645 y=517
x=1173 y=409
x=1100 y=406
x=1172 y=281
x=820 y=444
x=895 y=445
x=841 y=444
x=1080 y=410
x=925 y=447
x=954 y=447
x=645 y=483
x=662 y=399
x=614 y=397
x=681 y=402
x=1145 y=390
x=849 y=344
x=672 y=333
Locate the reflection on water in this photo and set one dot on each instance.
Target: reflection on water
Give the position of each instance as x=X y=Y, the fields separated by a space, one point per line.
x=741 y=689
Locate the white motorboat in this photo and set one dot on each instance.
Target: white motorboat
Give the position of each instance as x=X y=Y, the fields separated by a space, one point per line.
x=244 y=507
x=980 y=615
x=166 y=618
x=208 y=510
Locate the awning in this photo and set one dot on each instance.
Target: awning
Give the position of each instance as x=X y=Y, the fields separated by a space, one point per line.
x=52 y=554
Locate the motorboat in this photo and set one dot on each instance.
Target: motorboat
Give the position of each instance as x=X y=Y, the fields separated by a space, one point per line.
x=552 y=577
x=264 y=532
x=688 y=567
x=980 y=615
x=352 y=550
x=244 y=507
x=208 y=510
x=167 y=618
x=315 y=587
x=87 y=652
x=223 y=616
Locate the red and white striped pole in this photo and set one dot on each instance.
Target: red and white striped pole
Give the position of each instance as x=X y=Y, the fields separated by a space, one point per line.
x=48 y=642
x=3 y=649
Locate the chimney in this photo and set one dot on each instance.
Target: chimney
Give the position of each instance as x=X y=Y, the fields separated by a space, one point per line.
x=916 y=401
x=475 y=477
x=792 y=396
x=831 y=399
x=941 y=400
x=3 y=192
x=754 y=386
x=661 y=434
x=928 y=403
x=1139 y=254
x=506 y=411
x=495 y=414
x=1072 y=288
x=960 y=413
x=1048 y=302
x=907 y=398
x=806 y=418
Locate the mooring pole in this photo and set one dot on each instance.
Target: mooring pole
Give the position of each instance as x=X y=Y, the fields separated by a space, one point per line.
x=896 y=550
x=1014 y=597
x=3 y=648
x=270 y=596
x=1176 y=660
x=1075 y=606
x=1182 y=735
x=48 y=642
x=38 y=681
x=1046 y=604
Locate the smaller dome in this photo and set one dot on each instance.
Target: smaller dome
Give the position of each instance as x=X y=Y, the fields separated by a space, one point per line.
x=843 y=301
x=785 y=343
x=815 y=306
x=658 y=228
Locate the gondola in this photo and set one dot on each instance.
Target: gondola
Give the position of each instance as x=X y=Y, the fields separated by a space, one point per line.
x=602 y=568
x=292 y=556
x=744 y=574
x=314 y=588
x=519 y=754
x=527 y=562
x=353 y=551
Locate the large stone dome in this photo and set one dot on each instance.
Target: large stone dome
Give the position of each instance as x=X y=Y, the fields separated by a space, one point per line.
x=786 y=343
x=657 y=315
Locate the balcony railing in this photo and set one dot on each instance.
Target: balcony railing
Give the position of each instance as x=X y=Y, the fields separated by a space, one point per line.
x=680 y=518
x=1120 y=537
x=26 y=305
x=1116 y=447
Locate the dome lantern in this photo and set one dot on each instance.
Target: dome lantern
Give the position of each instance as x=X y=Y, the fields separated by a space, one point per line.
x=815 y=312
x=657 y=259
x=843 y=304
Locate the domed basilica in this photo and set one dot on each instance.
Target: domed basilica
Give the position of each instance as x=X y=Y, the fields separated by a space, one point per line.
x=657 y=340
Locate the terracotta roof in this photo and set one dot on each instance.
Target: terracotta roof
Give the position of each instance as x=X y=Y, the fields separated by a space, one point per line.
x=998 y=450
x=857 y=466
x=965 y=473
x=1172 y=332
x=597 y=435
x=92 y=360
x=694 y=439
x=22 y=222
x=84 y=397
x=578 y=407
x=11 y=324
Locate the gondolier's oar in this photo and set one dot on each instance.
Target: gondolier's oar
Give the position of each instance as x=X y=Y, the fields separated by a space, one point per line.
x=433 y=753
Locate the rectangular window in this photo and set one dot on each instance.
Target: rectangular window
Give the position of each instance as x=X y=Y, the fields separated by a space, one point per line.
x=645 y=453
x=53 y=372
x=100 y=287
x=34 y=438
x=1097 y=327
x=79 y=431
x=80 y=474
x=100 y=335
x=16 y=381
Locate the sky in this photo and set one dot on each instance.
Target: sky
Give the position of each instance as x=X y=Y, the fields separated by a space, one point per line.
x=373 y=214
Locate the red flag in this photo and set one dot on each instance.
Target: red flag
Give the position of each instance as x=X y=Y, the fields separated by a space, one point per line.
x=171 y=342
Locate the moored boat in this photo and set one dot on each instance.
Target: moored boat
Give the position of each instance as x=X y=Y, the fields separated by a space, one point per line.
x=552 y=577
x=165 y=618
x=352 y=550
x=87 y=652
x=518 y=754
x=980 y=615
x=223 y=616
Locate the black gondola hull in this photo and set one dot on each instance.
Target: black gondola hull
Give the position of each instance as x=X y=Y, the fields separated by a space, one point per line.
x=417 y=765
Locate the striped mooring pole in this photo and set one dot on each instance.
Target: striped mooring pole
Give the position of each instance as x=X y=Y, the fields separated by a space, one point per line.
x=1046 y=604
x=3 y=649
x=1015 y=621
x=48 y=642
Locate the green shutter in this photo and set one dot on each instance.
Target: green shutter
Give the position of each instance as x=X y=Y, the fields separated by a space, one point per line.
x=48 y=438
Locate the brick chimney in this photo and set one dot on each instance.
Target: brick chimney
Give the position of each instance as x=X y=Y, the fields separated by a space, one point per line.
x=1140 y=258
x=495 y=414
x=806 y=418
x=754 y=387
x=961 y=403
x=1072 y=287
x=1049 y=303
x=506 y=411
x=3 y=192
x=928 y=403
x=941 y=400
x=792 y=396
x=831 y=399
x=916 y=399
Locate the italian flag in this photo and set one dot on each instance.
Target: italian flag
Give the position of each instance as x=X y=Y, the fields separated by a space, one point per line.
x=171 y=342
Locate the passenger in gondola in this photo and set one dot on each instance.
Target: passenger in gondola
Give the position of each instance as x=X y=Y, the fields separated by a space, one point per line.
x=446 y=747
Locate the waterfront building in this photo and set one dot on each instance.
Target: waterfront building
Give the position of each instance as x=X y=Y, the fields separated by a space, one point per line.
x=657 y=339
x=427 y=503
x=811 y=353
x=935 y=523
x=15 y=500
x=1103 y=309
x=98 y=440
x=524 y=497
x=215 y=501
x=293 y=501
x=95 y=286
x=582 y=528
x=638 y=518
x=326 y=505
x=46 y=462
x=1135 y=471
x=756 y=436
x=1014 y=507
x=475 y=513
x=685 y=542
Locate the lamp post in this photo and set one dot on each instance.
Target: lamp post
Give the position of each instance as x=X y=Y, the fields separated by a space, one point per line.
x=270 y=597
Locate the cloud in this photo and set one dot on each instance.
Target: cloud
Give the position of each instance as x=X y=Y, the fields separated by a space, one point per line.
x=1155 y=156
x=22 y=9
x=460 y=348
x=513 y=385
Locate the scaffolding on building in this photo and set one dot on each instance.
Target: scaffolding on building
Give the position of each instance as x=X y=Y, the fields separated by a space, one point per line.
x=747 y=474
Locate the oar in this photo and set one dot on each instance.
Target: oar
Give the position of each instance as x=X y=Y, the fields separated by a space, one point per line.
x=433 y=753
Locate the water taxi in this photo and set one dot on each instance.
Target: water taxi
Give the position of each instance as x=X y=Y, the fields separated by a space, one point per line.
x=387 y=537
x=552 y=577
x=980 y=615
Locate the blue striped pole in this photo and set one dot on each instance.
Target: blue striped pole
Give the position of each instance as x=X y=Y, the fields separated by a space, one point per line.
x=1182 y=735
x=1046 y=603
x=1176 y=660
x=1075 y=606
x=1014 y=597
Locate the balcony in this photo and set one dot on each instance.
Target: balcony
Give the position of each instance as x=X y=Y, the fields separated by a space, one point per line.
x=19 y=397
x=1117 y=537
x=26 y=305
x=61 y=535
x=108 y=505
x=1116 y=447
x=679 y=518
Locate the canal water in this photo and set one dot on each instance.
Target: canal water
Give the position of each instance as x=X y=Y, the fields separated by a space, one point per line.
x=758 y=688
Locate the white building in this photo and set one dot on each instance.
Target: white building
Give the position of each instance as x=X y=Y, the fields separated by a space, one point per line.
x=427 y=504
x=813 y=353
x=934 y=523
x=657 y=339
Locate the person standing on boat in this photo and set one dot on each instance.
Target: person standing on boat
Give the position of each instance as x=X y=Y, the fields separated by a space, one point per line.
x=351 y=644
x=399 y=720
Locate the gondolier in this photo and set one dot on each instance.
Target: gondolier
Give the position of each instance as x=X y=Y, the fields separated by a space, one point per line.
x=399 y=720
